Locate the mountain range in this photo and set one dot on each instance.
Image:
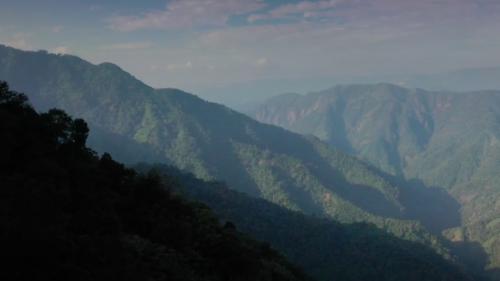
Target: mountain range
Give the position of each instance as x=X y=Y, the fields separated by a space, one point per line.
x=447 y=140
x=207 y=139
x=137 y=123
x=245 y=96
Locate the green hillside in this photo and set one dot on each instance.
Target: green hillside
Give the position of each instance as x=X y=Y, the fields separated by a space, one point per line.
x=327 y=250
x=70 y=215
x=76 y=216
x=135 y=122
x=447 y=140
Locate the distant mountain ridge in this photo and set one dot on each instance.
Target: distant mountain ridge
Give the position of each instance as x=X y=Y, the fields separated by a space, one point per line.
x=446 y=139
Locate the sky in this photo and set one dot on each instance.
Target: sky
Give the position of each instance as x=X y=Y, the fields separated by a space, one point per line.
x=251 y=48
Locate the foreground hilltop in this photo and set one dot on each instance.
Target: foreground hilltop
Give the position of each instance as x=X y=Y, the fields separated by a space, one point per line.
x=70 y=215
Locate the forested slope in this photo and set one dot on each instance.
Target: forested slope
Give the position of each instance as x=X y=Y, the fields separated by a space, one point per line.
x=326 y=249
x=68 y=214
x=444 y=139
x=138 y=123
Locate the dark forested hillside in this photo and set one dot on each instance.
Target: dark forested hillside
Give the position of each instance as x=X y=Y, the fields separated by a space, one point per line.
x=447 y=140
x=138 y=123
x=67 y=214
x=327 y=250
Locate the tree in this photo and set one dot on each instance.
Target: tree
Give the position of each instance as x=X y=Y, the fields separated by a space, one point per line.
x=79 y=132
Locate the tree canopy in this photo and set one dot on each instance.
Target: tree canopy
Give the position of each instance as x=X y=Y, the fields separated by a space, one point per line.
x=68 y=214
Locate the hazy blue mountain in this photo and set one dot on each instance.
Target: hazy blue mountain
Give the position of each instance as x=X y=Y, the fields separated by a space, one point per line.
x=138 y=123
x=445 y=139
x=246 y=96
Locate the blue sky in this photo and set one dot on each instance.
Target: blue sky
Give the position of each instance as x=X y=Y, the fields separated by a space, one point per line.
x=241 y=47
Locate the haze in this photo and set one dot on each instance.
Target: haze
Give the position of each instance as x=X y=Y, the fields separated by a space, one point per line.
x=243 y=50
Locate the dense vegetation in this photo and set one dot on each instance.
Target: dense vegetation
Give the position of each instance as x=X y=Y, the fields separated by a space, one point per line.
x=70 y=215
x=447 y=140
x=327 y=250
x=135 y=123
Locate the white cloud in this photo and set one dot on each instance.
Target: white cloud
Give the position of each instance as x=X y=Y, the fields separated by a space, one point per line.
x=18 y=41
x=358 y=37
x=389 y=11
x=62 y=50
x=186 y=14
x=306 y=9
x=240 y=37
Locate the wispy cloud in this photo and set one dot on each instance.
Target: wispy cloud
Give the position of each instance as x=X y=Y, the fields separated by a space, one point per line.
x=18 y=40
x=305 y=9
x=220 y=42
x=396 y=11
x=186 y=14
x=62 y=50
